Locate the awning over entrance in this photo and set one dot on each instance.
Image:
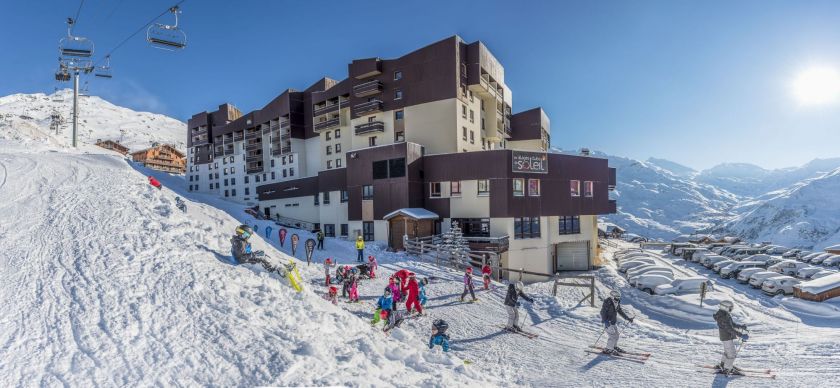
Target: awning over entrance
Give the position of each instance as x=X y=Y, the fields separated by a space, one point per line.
x=415 y=213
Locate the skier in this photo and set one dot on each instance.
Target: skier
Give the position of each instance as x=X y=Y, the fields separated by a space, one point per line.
x=395 y=291
x=179 y=203
x=468 y=285
x=486 y=271
x=373 y=266
x=728 y=331
x=383 y=306
x=609 y=309
x=353 y=288
x=332 y=295
x=439 y=336
x=320 y=237
x=413 y=291
x=360 y=248
x=512 y=305
x=346 y=280
x=154 y=182
x=403 y=276
x=240 y=249
x=395 y=319
x=267 y=232
x=327 y=264
x=423 y=284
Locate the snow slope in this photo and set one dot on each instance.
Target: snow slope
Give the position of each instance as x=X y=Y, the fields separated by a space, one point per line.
x=752 y=181
x=26 y=117
x=104 y=282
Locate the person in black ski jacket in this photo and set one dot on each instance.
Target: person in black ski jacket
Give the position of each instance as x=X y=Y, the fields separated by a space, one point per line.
x=610 y=311
x=512 y=305
x=241 y=251
x=728 y=332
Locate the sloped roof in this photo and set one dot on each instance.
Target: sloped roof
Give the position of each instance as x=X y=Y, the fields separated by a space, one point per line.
x=417 y=213
x=822 y=284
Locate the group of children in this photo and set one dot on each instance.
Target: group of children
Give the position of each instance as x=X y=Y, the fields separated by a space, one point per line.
x=348 y=277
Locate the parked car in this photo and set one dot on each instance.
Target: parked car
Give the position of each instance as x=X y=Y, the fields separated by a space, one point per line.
x=635 y=262
x=746 y=273
x=630 y=255
x=776 y=250
x=819 y=259
x=745 y=252
x=710 y=261
x=648 y=283
x=787 y=267
x=823 y=274
x=664 y=272
x=720 y=264
x=791 y=253
x=718 y=249
x=682 y=286
x=733 y=269
x=644 y=268
x=779 y=285
x=758 y=278
x=776 y=260
x=762 y=257
x=804 y=257
x=807 y=272
x=833 y=261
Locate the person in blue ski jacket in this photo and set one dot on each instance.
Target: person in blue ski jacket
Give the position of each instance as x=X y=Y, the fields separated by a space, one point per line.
x=385 y=303
x=439 y=336
x=423 y=298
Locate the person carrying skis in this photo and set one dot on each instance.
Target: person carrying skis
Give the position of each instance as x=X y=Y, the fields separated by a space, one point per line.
x=241 y=251
x=609 y=317
x=403 y=276
x=327 y=264
x=468 y=285
x=395 y=319
x=395 y=291
x=360 y=248
x=423 y=284
x=728 y=332
x=413 y=291
x=512 y=305
x=332 y=295
x=154 y=182
x=384 y=306
x=373 y=266
x=439 y=336
x=320 y=237
x=353 y=288
x=486 y=272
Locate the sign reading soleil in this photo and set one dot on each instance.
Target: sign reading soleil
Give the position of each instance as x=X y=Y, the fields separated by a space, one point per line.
x=532 y=162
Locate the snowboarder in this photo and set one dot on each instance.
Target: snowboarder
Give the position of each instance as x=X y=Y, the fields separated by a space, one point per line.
x=413 y=291
x=403 y=276
x=609 y=317
x=240 y=249
x=512 y=305
x=395 y=291
x=486 y=271
x=728 y=332
x=423 y=284
x=327 y=264
x=468 y=285
x=373 y=266
x=320 y=237
x=360 y=248
x=353 y=288
x=267 y=232
x=383 y=306
x=332 y=295
x=154 y=182
x=439 y=336
x=395 y=319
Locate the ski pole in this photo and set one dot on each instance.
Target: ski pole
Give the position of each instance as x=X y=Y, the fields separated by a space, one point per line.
x=599 y=337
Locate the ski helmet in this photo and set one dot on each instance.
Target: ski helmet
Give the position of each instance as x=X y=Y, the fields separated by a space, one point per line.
x=727 y=305
x=425 y=281
x=244 y=231
x=333 y=290
x=440 y=325
x=329 y=260
x=615 y=294
x=519 y=286
x=469 y=269
x=387 y=291
x=370 y=258
x=354 y=270
x=411 y=274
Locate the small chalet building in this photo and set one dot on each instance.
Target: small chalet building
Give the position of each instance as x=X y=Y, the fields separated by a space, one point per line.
x=834 y=249
x=818 y=290
x=162 y=157
x=112 y=145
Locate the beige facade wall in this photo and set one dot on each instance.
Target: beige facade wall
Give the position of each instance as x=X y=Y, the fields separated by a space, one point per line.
x=527 y=145
x=300 y=208
x=345 y=140
x=469 y=204
x=333 y=213
x=433 y=125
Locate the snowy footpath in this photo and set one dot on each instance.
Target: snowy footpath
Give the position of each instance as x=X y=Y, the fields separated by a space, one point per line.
x=105 y=283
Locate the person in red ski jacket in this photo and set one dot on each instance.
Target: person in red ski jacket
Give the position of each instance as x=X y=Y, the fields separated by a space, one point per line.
x=154 y=182
x=486 y=272
x=403 y=275
x=413 y=290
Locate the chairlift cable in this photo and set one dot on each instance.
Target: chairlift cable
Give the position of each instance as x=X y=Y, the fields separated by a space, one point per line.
x=78 y=12
x=142 y=28
x=113 y=11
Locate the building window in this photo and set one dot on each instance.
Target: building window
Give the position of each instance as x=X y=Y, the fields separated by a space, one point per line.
x=396 y=168
x=273 y=176
x=226 y=193
x=232 y=192
x=257 y=178
x=327 y=199
x=534 y=187
x=284 y=160
x=344 y=229
x=472 y=137
x=329 y=164
x=246 y=179
x=284 y=173
x=233 y=181
x=398 y=115
x=264 y=177
x=211 y=175
x=482 y=123
x=526 y=227
x=398 y=94
x=380 y=169
x=367 y=230
x=291 y=158
x=338 y=133
x=455 y=189
x=471 y=96
x=463 y=111
x=434 y=189
x=518 y=187
x=316 y=197
x=224 y=161
x=397 y=75
x=329 y=150
x=329 y=230
x=483 y=187
x=291 y=171
x=226 y=182
x=367 y=192
x=211 y=186
x=464 y=133
x=588 y=189
x=474 y=227
x=272 y=162
x=569 y=224
x=345 y=196
x=337 y=148
x=371 y=141
x=327 y=135
x=575 y=188
x=338 y=163
x=247 y=191
x=483 y=144
x=472 y=116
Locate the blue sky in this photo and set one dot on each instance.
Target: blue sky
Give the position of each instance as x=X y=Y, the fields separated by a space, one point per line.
x=698 y=83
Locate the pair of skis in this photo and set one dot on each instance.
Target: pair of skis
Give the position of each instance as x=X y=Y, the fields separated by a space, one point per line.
x=520 y=332
x=639 y=357
x=744 y=372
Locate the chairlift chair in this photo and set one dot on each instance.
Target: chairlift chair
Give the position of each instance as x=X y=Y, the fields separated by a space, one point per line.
x=165 y=36
x=74 y=46
x=104 y=71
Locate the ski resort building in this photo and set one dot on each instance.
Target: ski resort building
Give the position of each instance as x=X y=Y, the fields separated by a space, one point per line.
x=403 y=147
x=161 y=157
x=112 y=145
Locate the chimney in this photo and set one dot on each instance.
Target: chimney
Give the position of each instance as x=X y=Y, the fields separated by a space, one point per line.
x=584 y=151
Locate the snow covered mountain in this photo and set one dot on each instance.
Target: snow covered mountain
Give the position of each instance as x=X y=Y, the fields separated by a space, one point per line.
x=749 y=180
x=673 y=167
x=28 y=117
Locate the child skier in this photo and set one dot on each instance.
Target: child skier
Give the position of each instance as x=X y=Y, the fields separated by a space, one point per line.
x=345 y=280
x=403 y=276
x=383 y=306
x=413 y=291
x=439 y=336
x=154 y=182
x=373 y=266
x=486 y=271
x=468 y=285
x=327 y=264
x=395 y=319
x=609 y=309
x=512 y=305
x=728 y=332
x=332 y=295
x=353 y=289
x=395 y=291
x=423 y=284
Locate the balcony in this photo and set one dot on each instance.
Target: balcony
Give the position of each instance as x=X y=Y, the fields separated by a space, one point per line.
x=252 y=134
x=484 y=89
x=324 y=125
x=368 y=88
x=367 y=108
x=229 y=149
x=238 y=136
x=488 y=244
x=250 y=146
x=327 y=108
x=219 y=150
x=199 y=140
x=254 y=167
x=373 y=126
x=284 y=124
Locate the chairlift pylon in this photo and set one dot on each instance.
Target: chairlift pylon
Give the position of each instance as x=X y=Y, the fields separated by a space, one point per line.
x=74 y=46
x=104 y=71
x=165 y=36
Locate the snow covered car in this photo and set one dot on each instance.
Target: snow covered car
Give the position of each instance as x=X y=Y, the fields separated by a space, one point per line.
x=807 y=272
x=758 y=278
x=699 y=257
x=779 y=285
x=649 y=282
x=791 y=253
x=746 y=252
x=823 y=273
x=762 y=257
x=733 y=269
x=644 y=268
x=682 y=286
x=833 y=261
x=819 y=259
x=710 y=261
x=631 y=255
x=776 y=260
x=804 y=257
x=746 y=273
x=788 y=267
x=654 y=271
x=720 y=264
x=776 y=250
x=635 y=262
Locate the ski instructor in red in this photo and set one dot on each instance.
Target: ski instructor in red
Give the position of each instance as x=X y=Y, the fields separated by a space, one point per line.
x=413 y=290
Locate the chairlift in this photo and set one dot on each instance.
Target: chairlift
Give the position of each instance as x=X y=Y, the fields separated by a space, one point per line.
x=167 y=37
x=62 y=74
x=104 y=71
x=74 y=46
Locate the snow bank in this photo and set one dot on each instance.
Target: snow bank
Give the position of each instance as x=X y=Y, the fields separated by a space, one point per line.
x=820 y=285
x=826 y=309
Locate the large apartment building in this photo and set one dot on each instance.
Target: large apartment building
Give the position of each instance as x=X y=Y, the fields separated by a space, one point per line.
x=405 y=146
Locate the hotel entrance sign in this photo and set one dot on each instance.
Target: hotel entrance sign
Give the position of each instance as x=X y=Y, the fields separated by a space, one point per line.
x=530 y=162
